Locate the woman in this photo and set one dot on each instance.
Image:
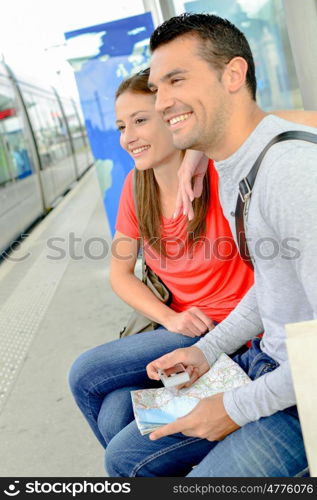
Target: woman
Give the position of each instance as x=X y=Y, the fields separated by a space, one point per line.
x=197 y=261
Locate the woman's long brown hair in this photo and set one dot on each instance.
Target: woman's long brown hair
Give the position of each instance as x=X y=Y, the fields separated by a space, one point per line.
x=148 y=191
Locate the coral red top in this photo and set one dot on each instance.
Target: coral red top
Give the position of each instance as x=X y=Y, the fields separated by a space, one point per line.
x=212 y=275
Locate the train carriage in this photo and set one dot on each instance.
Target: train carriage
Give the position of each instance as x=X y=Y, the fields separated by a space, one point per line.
x=43 y=151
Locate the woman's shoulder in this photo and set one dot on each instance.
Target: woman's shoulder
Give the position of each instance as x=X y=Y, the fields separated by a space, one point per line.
x=127 y=190
x=213 y=175
x=126 y=216
x=126 y=197
x=211 y=165
x=129 y=177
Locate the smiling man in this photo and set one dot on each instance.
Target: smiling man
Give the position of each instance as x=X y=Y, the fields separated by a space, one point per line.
x=203 y=75
x=201 y=94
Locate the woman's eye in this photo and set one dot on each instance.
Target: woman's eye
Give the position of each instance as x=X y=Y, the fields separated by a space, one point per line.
x=121 y=128
x=140 y=120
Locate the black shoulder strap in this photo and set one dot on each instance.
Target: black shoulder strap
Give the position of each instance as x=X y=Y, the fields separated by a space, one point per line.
x=247 y=183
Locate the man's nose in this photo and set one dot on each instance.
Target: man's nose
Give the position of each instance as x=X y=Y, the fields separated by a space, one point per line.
x=163 y=100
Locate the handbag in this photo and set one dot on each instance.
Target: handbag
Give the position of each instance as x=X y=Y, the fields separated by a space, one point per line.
x=137 y=322
x=247 y=183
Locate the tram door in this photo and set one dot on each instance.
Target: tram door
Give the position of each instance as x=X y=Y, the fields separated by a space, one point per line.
x=20 y=198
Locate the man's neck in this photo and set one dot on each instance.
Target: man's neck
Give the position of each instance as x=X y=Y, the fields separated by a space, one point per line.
x=240 y=125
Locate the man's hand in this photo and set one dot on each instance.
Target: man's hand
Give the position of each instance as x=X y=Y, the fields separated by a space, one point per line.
x=192 y=323
x=192 y=358
x=190 y=175
x=208 y=420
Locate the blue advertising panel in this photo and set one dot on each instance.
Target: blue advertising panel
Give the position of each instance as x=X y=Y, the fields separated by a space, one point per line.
x=102 y=56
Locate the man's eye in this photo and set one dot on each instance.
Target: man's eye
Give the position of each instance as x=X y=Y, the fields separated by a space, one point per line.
x=140 y=120
x=175 y=80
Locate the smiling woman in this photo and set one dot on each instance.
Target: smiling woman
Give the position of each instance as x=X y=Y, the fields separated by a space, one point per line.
x=143 y=133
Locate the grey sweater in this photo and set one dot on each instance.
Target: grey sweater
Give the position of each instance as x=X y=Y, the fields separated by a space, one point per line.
x=282 y=235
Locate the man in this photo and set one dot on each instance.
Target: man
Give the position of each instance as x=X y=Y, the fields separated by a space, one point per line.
x=203 y=75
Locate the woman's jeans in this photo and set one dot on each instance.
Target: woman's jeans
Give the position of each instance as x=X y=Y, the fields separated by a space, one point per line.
x=101 y=379
x=270 y=447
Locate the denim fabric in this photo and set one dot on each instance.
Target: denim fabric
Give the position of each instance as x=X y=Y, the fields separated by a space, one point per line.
x=101 y=379
x=270 y=447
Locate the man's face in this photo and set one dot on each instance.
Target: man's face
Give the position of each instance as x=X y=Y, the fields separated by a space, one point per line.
x=190 y=94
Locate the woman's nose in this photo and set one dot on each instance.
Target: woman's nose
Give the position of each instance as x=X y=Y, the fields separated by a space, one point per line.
x=129 y=136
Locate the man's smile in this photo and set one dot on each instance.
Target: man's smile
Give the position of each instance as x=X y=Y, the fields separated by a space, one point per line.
x=178 y=118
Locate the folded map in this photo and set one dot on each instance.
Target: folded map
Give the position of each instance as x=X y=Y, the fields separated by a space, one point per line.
x=156 y=407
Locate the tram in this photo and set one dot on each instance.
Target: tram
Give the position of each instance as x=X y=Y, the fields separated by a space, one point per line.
x=44 y=150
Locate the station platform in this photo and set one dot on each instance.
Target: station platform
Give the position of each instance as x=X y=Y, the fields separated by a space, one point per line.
x=55 y=303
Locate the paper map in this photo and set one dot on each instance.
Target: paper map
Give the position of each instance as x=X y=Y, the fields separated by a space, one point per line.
x=156 y=407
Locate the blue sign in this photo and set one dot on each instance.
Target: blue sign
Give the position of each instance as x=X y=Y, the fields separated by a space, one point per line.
x=102 y=56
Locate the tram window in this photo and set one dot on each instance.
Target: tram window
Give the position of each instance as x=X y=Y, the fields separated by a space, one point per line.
x=49 y=128
x=15 y=157
x=80 y=115
x=74 y=126
x=5 y=176
x=83 y=129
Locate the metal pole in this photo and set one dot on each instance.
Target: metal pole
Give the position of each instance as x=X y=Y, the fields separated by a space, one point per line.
x=154 y=7
x=167 y=8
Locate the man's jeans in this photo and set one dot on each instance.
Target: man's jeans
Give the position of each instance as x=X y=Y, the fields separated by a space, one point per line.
x=101 y=379
x=270 y=447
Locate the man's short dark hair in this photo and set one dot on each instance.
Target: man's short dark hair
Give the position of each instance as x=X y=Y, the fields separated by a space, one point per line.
x=223 y=40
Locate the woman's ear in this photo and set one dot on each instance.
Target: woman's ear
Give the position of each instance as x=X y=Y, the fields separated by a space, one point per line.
x=235 y=74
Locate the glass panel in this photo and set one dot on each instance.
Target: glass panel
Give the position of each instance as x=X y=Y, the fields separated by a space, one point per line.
x=74 y=126
x=263 y=23
x=49 y=128
x=15 y=156
x=77 y=133
x=5 y=175
x=83 y=129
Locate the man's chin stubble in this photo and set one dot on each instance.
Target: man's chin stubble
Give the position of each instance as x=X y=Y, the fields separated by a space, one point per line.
x=186 y=144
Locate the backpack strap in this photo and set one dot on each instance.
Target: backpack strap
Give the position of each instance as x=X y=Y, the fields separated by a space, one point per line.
x=247 y=183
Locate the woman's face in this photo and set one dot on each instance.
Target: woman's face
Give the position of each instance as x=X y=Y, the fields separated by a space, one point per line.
x=144 y=135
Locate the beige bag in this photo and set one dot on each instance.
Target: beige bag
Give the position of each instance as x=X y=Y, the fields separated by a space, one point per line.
x=137 y=322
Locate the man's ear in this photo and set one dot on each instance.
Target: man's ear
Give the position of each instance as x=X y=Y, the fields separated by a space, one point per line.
x=234 y=75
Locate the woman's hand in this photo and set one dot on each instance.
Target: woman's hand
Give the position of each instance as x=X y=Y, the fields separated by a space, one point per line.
x=190 y=175
x=192 y=323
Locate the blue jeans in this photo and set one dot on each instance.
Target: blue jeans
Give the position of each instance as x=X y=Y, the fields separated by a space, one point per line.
x=270 y=447
x=101 y=379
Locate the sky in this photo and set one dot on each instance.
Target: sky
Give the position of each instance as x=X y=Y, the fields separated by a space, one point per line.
x=32 y=34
